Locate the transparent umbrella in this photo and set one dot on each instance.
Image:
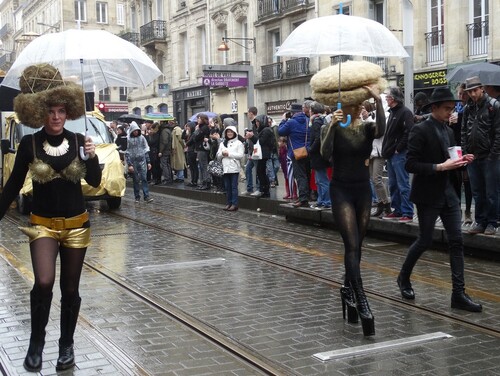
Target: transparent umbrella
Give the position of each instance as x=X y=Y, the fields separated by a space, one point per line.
x=94 y=58
x=341 y=35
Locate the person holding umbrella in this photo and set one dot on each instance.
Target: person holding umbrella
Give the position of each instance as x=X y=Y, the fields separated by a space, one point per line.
x=350 y=147
x=60 y=223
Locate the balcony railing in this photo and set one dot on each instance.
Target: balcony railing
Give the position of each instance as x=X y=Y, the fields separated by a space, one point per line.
x=339 y=59
x=478 y=37
x=297 y=67
x=268 y=8
x=4 y=30
x=434 y=42
x=272 y=72
x=383 y=62
x=133 y=38
x=154 y=31
x=5 y=59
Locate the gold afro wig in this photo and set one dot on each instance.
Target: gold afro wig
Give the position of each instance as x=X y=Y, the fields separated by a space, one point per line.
x=43 y=87
x=353 y=76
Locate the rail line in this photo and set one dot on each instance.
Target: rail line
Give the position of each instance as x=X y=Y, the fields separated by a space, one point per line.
x=314 y=276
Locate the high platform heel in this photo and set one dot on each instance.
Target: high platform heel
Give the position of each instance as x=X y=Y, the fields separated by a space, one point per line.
x=348 y=302
x=363 y=308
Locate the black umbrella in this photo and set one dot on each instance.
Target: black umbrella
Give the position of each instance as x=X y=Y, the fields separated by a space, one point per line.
x=488 y=73
x=128 y=118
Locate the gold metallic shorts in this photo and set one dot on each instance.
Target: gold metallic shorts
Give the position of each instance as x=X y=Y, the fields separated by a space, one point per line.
x=72 y=238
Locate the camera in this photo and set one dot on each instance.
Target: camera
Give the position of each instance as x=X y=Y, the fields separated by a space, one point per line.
x=288 y=114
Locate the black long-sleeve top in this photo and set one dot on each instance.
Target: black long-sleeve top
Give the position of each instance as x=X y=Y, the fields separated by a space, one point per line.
x=58 y=197
x=352 y=148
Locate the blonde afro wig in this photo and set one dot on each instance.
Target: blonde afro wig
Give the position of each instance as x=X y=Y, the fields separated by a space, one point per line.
x=353 y=76
x=43 y=87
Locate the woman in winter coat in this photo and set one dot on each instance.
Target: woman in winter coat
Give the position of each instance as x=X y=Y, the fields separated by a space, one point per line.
x=230 y=152
x=267 y=141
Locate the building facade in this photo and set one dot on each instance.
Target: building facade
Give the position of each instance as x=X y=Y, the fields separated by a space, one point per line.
x=183 y=37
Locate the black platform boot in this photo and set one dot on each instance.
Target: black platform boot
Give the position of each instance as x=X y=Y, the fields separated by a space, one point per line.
x=40 y=310
x=348 y=303
x=69 y=317
x=364 y=312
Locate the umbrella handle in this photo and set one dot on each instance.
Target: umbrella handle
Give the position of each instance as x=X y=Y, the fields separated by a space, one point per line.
x=83 y=156
x=346 y=124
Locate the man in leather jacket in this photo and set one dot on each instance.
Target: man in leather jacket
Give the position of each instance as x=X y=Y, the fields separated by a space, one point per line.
x=481 y=137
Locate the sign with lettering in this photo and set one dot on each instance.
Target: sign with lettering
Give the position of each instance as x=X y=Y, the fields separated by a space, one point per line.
x=426 y=80
x=225 y=79
x=279 y=107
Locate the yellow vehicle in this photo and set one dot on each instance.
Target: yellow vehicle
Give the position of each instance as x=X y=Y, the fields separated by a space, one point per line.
x=112 y=187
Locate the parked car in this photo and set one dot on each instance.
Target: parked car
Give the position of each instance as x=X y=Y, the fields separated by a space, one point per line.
x=112 y=187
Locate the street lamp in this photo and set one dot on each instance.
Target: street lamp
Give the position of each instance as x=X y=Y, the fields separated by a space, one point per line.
x=224 y=47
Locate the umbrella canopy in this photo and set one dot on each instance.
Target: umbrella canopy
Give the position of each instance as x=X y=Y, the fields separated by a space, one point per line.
x=488 y=73
x=97 y=57
x=210 y=115
x=158 y=116
x=341 y=35
x=128 y=118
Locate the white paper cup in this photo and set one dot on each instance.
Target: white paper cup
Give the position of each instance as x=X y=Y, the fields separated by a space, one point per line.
x=455 y=152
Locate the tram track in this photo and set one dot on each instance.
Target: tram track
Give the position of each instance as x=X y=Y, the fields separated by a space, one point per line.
x=240 y=351
x=315 y=276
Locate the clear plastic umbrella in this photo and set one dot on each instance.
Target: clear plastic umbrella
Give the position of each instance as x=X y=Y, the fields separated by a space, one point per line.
x=94 y=58
x=341 y=35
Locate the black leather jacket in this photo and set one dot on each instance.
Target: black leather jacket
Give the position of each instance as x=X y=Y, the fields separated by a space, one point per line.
x=481 y=128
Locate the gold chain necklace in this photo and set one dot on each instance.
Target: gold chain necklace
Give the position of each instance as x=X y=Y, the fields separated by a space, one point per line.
x=56 y=151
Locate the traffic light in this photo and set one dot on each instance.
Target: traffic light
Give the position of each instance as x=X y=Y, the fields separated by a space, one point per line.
x=102 y=107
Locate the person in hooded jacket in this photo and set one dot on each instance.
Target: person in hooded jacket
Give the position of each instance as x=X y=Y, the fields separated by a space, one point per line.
x=230 y=152
x=137 y=157
x=202 y=147
x=265 y=136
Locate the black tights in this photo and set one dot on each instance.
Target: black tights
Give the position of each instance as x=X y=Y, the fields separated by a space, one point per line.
x=351 y=205
x=44 y=253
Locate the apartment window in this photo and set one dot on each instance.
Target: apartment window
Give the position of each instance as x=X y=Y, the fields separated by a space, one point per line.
x=101 y=11
x=435 y=36
x=275 y=44
x=378 y=11
x=202 y=45
x=184 y=62
x=81 y=10
x=245 y=52
x=346 y=9
x=120 y=14
x=123 y=94
x=478 y=28
x=104 y=95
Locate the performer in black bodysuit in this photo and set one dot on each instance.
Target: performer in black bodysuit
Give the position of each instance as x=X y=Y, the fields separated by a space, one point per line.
x=60 y=223
x=350 y=189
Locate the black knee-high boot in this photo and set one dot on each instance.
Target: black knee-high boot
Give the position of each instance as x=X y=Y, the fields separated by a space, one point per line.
x=40 y=309
x=69 y=317
x=364 y=312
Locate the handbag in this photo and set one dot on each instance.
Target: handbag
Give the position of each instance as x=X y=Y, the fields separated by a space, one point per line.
x=215 y=168
x=299 y=153
x=257 y=151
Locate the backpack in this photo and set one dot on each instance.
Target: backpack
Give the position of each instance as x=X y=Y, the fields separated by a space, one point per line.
x=327 y=136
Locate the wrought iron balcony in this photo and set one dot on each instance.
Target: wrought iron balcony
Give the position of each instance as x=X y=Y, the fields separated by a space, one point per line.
x=269 y=8
x=434 y=42
x=339 y=59
x=297 y=67
x=478 y=38
x=272 y=72
x=383 y=62
x=133 y=38
x=6 y=58
x=5 y=30
x=154 y=31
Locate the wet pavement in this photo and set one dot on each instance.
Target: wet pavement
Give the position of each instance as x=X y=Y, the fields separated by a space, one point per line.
x=267 y=286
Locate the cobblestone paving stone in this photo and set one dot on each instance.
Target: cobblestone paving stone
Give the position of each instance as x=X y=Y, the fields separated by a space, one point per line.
x=284 y=316
x=159 y=345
